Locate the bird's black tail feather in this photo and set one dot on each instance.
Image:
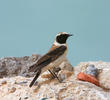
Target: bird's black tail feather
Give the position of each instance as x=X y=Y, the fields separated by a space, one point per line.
x=35 y=78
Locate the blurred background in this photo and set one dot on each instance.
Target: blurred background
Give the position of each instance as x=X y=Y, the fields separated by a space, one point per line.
x=29 y=27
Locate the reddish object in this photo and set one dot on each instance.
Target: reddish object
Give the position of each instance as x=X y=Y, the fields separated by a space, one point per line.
x=89 y=78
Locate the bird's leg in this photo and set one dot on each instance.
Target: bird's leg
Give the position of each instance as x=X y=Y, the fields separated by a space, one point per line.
x=54 y=75
x=57 y=77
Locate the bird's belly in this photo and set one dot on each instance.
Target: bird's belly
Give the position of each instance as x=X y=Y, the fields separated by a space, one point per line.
x=55 y=63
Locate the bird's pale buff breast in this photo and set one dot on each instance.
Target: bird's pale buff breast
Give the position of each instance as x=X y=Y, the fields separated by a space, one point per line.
x=55 y=63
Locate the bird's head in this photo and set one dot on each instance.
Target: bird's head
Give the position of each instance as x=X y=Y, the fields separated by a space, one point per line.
x=61 y=37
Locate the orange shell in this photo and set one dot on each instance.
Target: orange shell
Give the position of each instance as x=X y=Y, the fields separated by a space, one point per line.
x=89 y=78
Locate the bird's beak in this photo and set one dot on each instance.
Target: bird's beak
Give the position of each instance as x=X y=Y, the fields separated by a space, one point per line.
x=70 y=34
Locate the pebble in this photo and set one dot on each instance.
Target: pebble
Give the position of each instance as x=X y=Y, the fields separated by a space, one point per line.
x=3 y=82
x=91 y=70
x=89 y=75
x=44 y=98
x=88 y=78
x=12 y=90
x=21 y=83
x=62 y=77
x=26 y=98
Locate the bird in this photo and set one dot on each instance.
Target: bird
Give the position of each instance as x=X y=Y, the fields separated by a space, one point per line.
x=53 y=58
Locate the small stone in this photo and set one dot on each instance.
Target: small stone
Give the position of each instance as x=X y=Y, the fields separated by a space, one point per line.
x=12 y=90
x=26 y=98
x=89 y=78
x=62 y=77
x=26 y=57
x=3 y=82
x=21 y=83
x=64 y=74
x=44 y=98
x=20 y=98
x=91 y=70
x=66 y=66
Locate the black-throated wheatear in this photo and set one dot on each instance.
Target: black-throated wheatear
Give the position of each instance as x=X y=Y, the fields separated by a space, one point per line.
x=55 y=56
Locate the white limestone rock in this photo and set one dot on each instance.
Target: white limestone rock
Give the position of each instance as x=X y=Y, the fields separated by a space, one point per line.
x=15 y=86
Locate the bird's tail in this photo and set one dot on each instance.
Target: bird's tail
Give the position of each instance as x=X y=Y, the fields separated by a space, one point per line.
x=35 y=78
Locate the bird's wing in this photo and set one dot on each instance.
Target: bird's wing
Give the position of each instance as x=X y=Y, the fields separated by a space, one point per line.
x=48 y=58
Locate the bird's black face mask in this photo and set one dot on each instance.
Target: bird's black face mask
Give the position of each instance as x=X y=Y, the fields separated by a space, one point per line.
x=62 y=38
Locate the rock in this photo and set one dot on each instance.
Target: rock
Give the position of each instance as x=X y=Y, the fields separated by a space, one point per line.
x=87 y=77
x=104 y=71
x=44 y=99
x=3 y=82
x=17 y=84
x=12 y=90
x=25 y=97
x=12 y=66
x=91 y=70
x=66 y=66
x=64 y=74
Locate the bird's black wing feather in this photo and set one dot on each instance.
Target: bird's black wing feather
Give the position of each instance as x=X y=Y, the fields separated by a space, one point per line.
x=48 y=58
